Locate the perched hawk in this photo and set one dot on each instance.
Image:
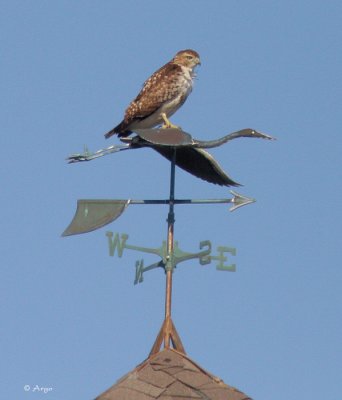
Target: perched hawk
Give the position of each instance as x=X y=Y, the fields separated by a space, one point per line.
x=161 y=96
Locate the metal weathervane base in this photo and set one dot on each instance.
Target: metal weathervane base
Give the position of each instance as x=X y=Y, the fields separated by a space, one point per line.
x=187 y=153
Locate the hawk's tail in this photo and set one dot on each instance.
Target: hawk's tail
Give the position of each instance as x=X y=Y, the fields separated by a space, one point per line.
x=119 y=130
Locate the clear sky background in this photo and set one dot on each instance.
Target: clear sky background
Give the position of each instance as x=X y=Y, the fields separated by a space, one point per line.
x=71 y=318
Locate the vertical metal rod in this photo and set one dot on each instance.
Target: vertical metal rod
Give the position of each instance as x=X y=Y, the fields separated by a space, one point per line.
x=169 y=264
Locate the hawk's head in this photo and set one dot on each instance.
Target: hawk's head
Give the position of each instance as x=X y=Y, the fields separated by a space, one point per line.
x=187 y=58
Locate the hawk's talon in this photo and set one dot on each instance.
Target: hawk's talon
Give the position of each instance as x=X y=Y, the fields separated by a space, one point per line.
x=167 y=124
x=170 y=126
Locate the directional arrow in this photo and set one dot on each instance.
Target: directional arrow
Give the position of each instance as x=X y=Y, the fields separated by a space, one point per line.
x=94 y=214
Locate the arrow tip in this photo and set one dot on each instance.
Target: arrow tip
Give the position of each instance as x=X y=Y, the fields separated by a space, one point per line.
x=238 y=200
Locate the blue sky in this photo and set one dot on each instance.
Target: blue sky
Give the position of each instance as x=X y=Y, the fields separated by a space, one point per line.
x=72 y=320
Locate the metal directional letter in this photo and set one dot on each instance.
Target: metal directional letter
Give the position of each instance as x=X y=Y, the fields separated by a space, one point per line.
x=222 y=258
x=117 y=242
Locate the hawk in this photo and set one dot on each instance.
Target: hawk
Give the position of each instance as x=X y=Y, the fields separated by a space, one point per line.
x=161 y=96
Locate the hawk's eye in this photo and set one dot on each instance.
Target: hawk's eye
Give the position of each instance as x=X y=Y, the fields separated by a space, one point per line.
x=189 y=57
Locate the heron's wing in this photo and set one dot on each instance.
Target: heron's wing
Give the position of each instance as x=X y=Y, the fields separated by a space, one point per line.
x=199 y=163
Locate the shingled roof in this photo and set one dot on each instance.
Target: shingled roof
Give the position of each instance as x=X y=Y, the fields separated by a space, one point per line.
x=170 y=375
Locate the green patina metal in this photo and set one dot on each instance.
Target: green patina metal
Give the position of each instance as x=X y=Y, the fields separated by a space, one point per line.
x=94 y=214
x=117 y=243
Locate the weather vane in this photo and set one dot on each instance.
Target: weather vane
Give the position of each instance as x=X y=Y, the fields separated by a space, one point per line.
x=187 y=153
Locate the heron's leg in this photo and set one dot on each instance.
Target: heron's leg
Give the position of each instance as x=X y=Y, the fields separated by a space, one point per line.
x=167 y=123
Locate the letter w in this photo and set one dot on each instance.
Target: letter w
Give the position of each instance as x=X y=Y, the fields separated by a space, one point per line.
x=115 y=242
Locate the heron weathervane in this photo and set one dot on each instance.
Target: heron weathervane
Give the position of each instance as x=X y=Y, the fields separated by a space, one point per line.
x=182 y=150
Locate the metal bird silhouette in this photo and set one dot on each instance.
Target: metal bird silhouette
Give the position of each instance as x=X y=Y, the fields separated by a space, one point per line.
x=190 y=153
